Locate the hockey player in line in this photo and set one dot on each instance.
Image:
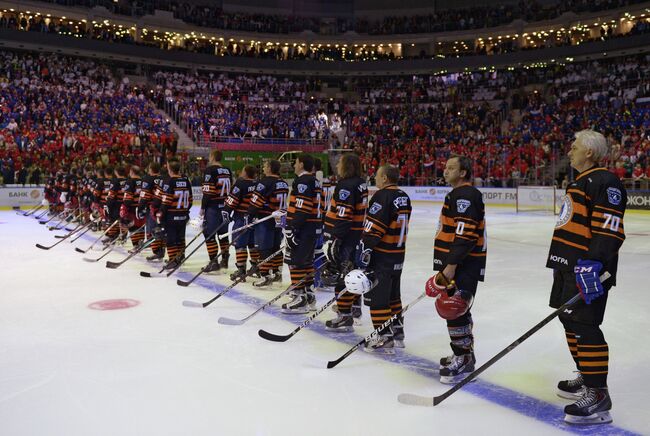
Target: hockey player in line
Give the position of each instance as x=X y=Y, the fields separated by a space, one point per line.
x=150 y=194
x=216 y=187
x=460 y=253
x=270 y=195
x=343 y=228
x=174 y=212
x=381 y=253
x=302 y=224
x=587 y=238
x=236 y=206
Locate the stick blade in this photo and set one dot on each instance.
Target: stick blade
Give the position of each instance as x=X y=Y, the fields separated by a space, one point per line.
x=415 y=400
x=271 y=337
x=183 y=283
x=112 y=265
x=87 y=259
x=230 y=321
x=79 y=250
x=145 y=274
x=188 y=303
x=42 y=247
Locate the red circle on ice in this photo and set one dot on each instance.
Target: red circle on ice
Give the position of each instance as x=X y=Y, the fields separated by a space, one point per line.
x=123 y=303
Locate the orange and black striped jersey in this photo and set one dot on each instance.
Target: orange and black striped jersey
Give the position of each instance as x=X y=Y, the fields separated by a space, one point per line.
x=347 y=210
x=101 y=190
x=304 y=209
x=115 y=192
x=132 y=192
x=150 y=189
x=240 y=196
x=590 y=223
x=328 y=193
x=386 y=228
x=216 y=186
x=460 y=237
x=176 y=199
x=270 y=195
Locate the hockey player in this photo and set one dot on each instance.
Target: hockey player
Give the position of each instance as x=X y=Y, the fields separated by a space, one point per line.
x=303 y=222
x=114 y=200
x=381 y=252
x=587 y=237
x=319 y=258
x=216 y=187
x=150 y=197
x=270 y=196
x=343 y=228
x=175 y=211
x=237 y=205
x=132 y=189
x=459 y=254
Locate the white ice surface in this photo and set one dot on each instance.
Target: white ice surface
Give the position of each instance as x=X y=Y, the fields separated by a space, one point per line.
x=164 y=369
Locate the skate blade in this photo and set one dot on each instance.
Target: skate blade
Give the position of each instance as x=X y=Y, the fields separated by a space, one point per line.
x=454 y=379
x=398 y=343
x=569 y=395
x=295 y=311
x=347 y=329
x=387 y=351
x=595 y=418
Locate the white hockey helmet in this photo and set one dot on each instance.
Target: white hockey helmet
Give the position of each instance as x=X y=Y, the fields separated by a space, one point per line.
x=359 y=281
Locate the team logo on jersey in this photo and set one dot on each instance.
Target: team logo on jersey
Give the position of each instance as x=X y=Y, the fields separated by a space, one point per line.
x=376 y=207
x=566 y=211
x=302 y=188
x=260 y=187
x=614 y=196
x=463 y=205
x=344 y=194
x=235 y=190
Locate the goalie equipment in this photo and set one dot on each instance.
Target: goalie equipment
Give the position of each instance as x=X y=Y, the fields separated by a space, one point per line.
x=438 y=284
x=455 y=305
x=359 y=281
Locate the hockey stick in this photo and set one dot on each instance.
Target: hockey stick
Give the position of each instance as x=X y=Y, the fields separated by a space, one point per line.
x=283 y=338
x=79 y=250
x=141 y=246
x=417 y=400
x=230 y=321
x=55 y=216
x=29 y=212
x=375 y=332
x=173 y=270
x=247 y=226
x=72 y=231
x=43 y=247
x=186 y=283
x=253 y=270
x=62 y=222
x=69 y=230
x=111 y=246
x=87 y=229
x=42 y=214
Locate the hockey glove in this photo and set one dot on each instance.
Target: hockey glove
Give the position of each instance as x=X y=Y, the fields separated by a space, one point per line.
x=333 y=251
x=438 y=284
x=141 y=212
x=159 y=233
x=225 y=216
x=363 y=256
x=292 y=240
x=588 y=279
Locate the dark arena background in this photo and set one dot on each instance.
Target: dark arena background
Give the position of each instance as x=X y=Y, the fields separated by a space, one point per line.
x=292 y=217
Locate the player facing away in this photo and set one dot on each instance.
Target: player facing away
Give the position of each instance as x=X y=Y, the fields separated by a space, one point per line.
x=343 y=229
x=175 y=211
x=303 y=222
x=459 y=256
x=381 y=253
x=128 y=217
x=586 y=240
x=237 y=205
x=270 y=196
x=217 y=180
x=150 y=194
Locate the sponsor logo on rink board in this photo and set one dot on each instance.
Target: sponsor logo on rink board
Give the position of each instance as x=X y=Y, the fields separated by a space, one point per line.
x=20 y=196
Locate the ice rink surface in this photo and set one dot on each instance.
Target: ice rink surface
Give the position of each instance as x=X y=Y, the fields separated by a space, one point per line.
x=160 y=368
